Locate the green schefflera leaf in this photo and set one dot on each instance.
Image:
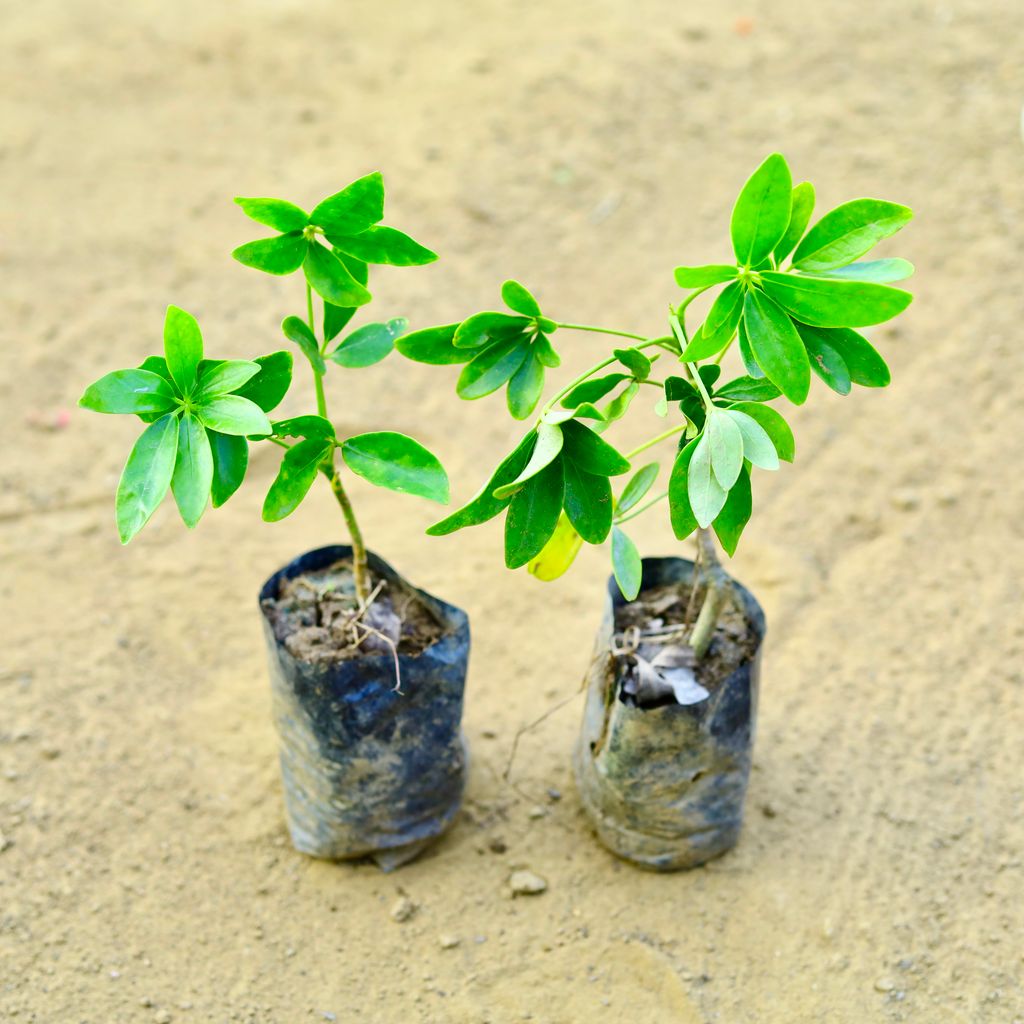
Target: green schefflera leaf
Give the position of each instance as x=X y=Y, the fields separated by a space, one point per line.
x=748 y=389
x=493 y=367
x=747 y=353
x=193 y=470
x=298 y=470
x=545 y=352
x=635 y=361
x=762 y=211
x=146 y=476
x=484 y=506
x=230 y=461
x=550 y=440
x=684 y=522
x=774 y=425
x=275 y=213
x=706 y=494
x=719 y=326
x=587 y=502
x=233 y=414
x=336 y=318
x=397 y=462
x=183 y=347
x=355 y=208
x=593 y=390
x=269 y=386
x=619 y=405
x=533 y=515
x=801 y=208
x=129 y=391
x=757 y=446
x=834 y=302
x=304 y=426
x=725 y=446
x=847 y=232
x=433 y=345
x=704 y=277
x=826 y=362
x=865 y=365
x=518 y=299
x=639 y=484
x=385 y=245
x=222 y=378
x=626 y=564
x=525 y=387
x=280 y=255
x=297 y=331
x=331 y=279
x=885 y=271
x=482 y=328
x=558 y=554
x=735 y=514
x=369 y=344
x=590 y=452
x=777 y=346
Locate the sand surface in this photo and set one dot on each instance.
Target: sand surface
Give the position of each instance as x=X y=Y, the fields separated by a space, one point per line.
x=586 y=148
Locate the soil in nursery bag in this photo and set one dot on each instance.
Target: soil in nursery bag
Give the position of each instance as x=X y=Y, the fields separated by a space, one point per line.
x=318 y=619
x=664 y=753
x=367 y=701
x=663 y=670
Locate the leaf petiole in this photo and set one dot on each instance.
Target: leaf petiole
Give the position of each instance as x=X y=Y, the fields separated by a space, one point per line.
x=678 y=429
x=641 y=508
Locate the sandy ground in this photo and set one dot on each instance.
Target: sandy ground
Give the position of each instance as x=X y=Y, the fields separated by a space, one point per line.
x=145 y=873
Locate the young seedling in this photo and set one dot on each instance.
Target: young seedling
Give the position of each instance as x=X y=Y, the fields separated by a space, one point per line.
x=787 y=319
x=202 y=414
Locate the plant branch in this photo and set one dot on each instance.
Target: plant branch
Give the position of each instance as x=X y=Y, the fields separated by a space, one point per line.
x=718 y=592
x=360 y=574
x=603 y=330
x=655 y=440
x=641 y=508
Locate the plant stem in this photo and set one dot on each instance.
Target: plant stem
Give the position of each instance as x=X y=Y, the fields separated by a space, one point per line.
x=641 y=508
x=718 y=591
x=359 y=570
x=360 y=574
x=655 y=440
x=603 y=330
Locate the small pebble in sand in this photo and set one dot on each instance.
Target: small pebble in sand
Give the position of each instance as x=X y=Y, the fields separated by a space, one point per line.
x=449 y=941
x=163 y=1017
x=538 y=812
x=905 y=499
x=402 y=909
x=884 y=985
x=497 y=845
x=526 y=883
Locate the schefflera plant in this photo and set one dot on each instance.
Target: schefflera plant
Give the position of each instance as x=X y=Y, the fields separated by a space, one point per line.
x=203 y=413
x=791 y=301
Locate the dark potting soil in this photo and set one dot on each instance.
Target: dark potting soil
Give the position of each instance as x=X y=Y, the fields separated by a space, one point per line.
x=657 y=666
x=316 y=616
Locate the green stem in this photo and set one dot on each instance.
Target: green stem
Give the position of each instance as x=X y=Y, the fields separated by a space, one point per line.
x=603 y=330
x=641 y=508
x=699 y=381
x=715 y=598
x=360 y=574
x=655 y=440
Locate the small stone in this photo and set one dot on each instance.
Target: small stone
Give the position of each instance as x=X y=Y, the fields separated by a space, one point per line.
x=163 y=1017
x=538 y=812
x=449 y=941
x=526 y=883
x=905 y=500
x=884 y=985
x=402 y=909
x=554 y=795
x=497 y=845
x=5 y=843
x=768 y=810
x=50 y=753
x=146 y=1002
